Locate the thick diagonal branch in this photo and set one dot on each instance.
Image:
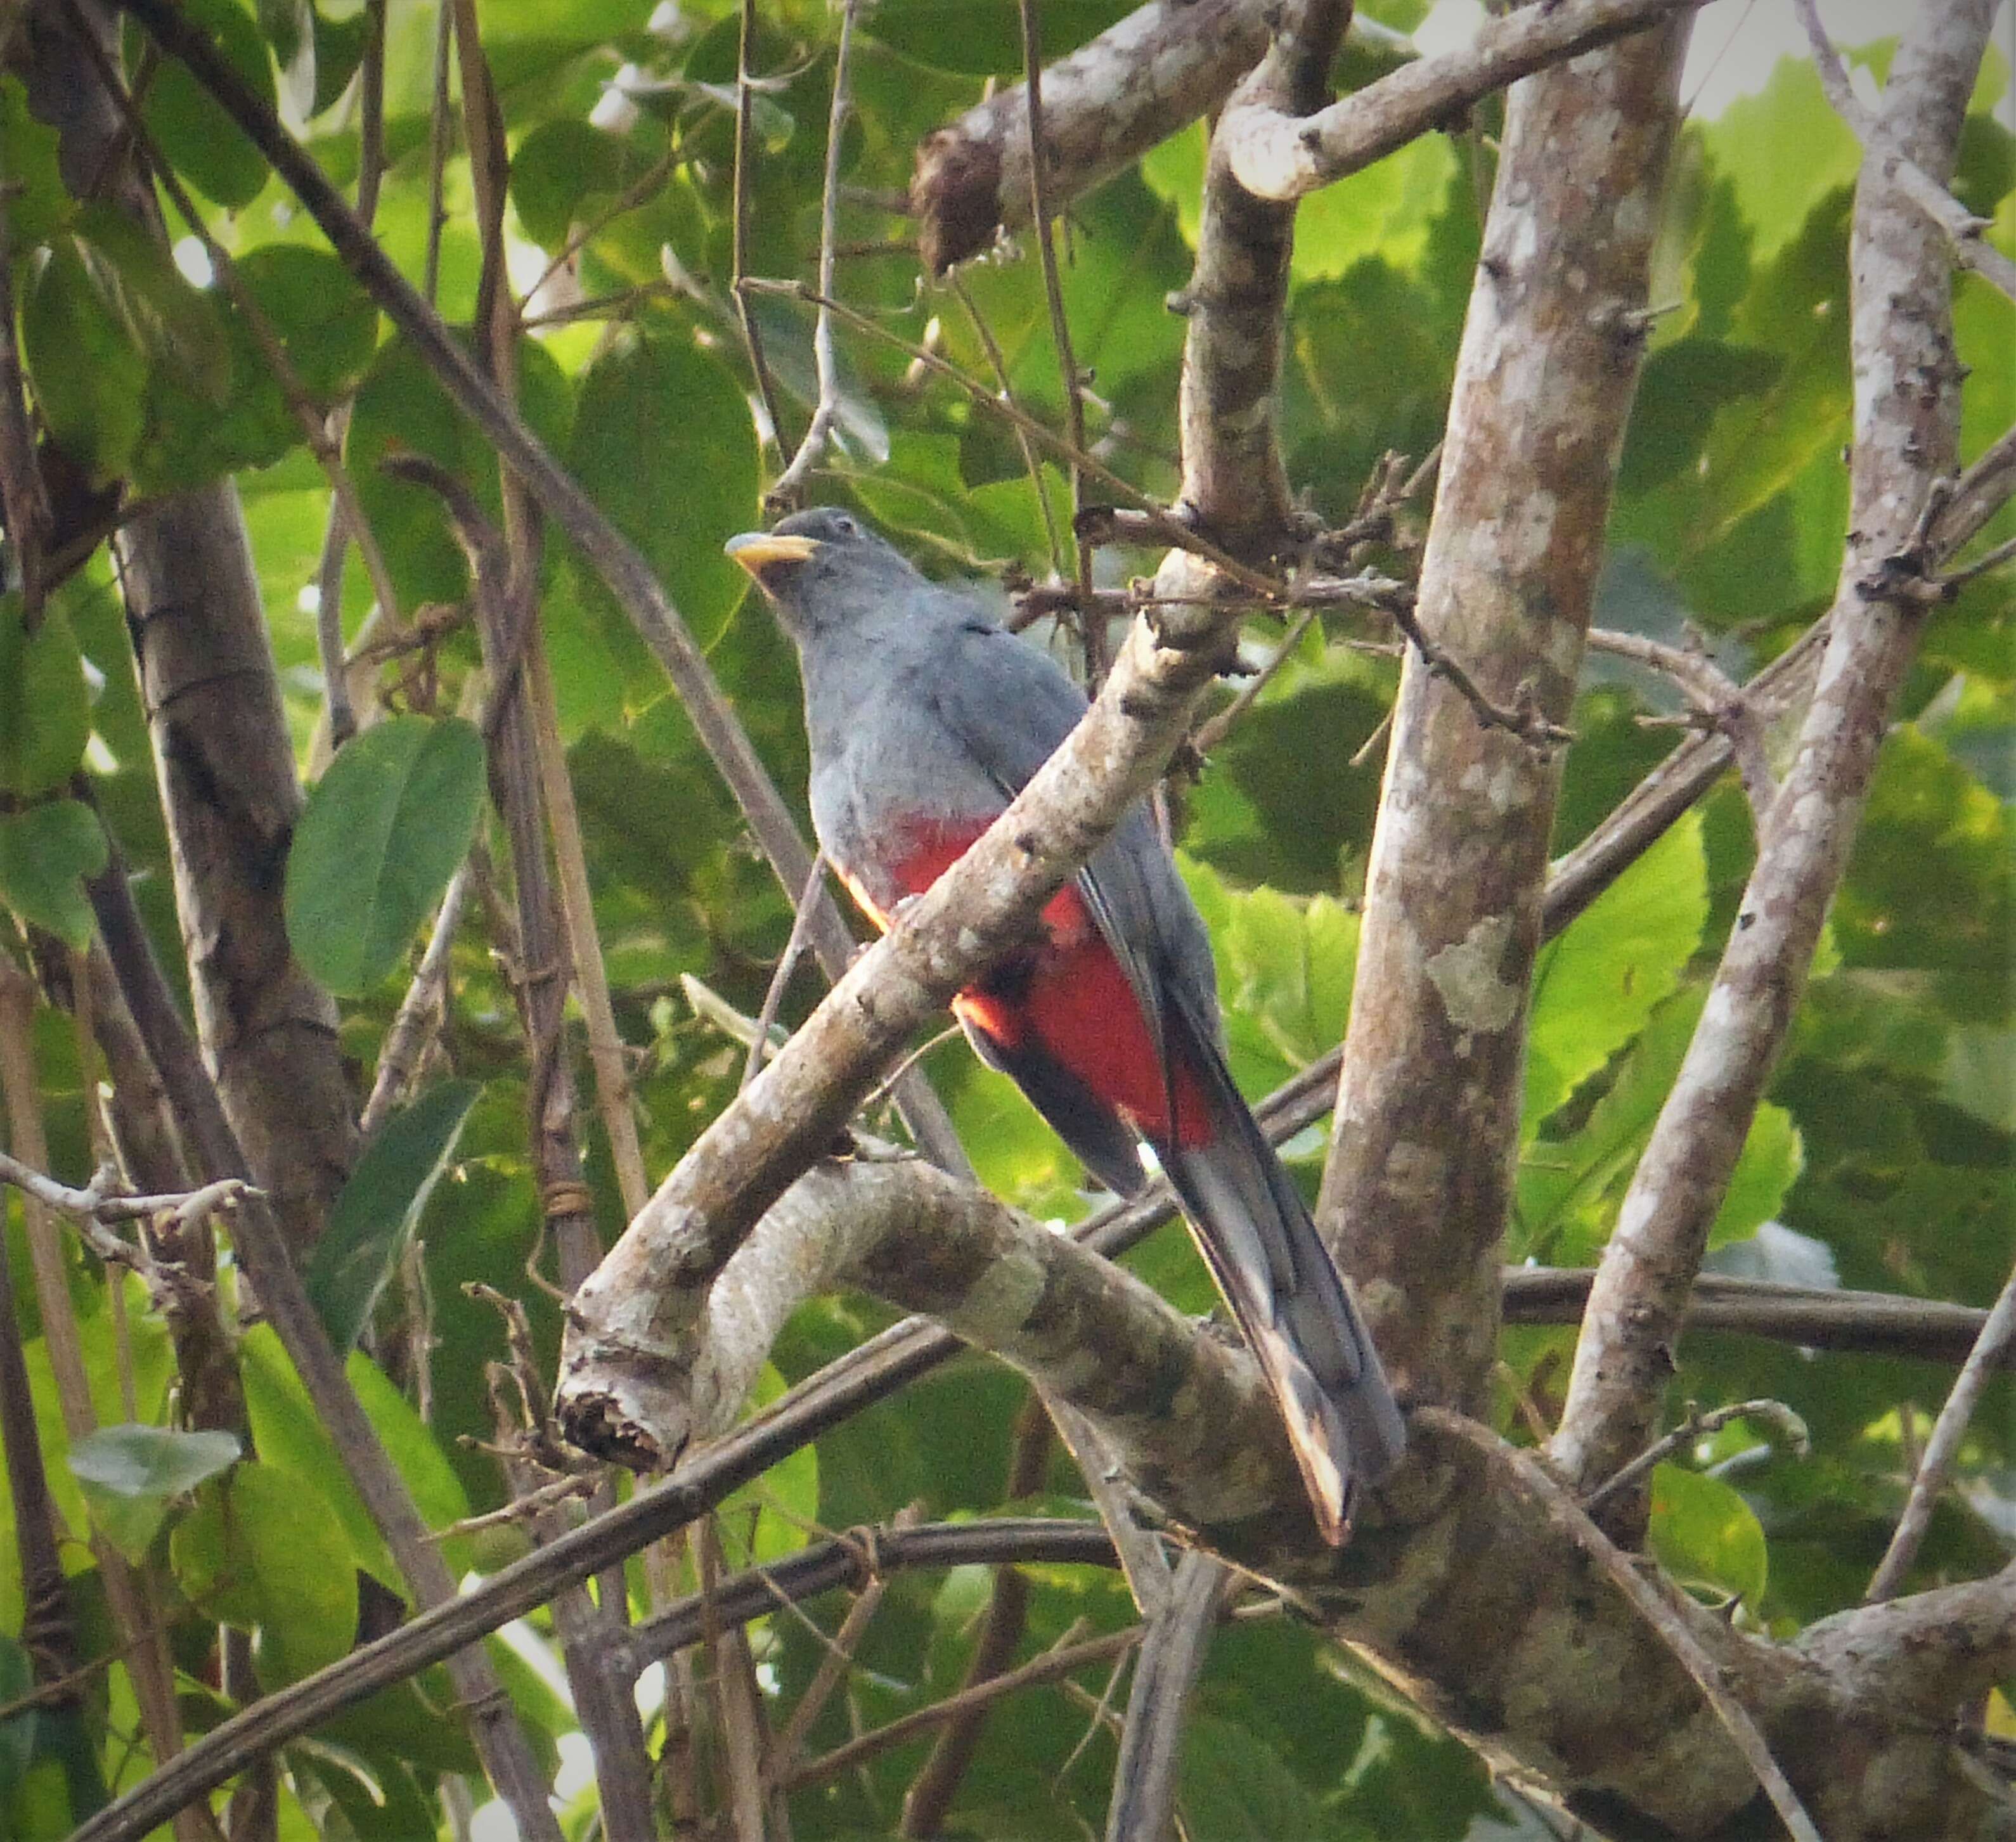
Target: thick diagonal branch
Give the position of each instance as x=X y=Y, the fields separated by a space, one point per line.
x=1277 y=154
x=1907 y=441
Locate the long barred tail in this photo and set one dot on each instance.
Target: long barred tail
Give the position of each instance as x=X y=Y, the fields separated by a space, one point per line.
x=1296 y=1312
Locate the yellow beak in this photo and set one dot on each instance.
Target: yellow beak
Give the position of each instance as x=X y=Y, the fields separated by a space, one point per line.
x=759 y=550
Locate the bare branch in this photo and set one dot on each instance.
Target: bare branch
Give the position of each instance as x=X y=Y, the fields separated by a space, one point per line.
x=1170 y=1659
x=1998 y=1336
x=790 y=486
x=1109 y=102
x=1907 y=404
x=1662 y=1612
x=1276 y=156
x=1235 y=484
x=1417 y=1186
x=1775 y=1414
x=1964 y=231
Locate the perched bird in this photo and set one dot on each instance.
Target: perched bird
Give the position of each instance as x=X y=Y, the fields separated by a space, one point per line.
x=926 y=718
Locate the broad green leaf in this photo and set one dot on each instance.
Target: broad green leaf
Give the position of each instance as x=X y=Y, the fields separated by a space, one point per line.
x=665 y=397
x=423 y=1466
x=1570 y=1189
x=984 y=37
x=1595 y=986
x=1783 y=149
x=380 y=1206
x=401 y=408
x=262 y=1551
x=131 y=1473
x=46 y=853
x=202 y=143
x=89 y=378
x=1704 y=1533
x=175 y=326
x=327 y=324
x=384 y=832
x=1284 y=973
x=1232 y=1786
x=289 y=1435
x=1772 y=1158
x=774 y=1516
x=44 y=705
x=41 y=200
x=17 y=1731
x=560 y=165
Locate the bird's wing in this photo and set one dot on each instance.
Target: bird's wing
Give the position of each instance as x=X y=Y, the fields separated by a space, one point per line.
x=1010 y=705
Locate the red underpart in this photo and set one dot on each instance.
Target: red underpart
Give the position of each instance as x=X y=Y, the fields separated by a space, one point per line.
x=1075 y=1004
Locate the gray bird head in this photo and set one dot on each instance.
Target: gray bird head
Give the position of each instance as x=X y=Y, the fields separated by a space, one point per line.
x=824 y=569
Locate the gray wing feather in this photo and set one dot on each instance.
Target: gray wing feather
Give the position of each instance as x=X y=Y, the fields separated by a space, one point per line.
x=1012 y=706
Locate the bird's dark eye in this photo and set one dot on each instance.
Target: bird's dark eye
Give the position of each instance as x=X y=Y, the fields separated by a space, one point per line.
x=846 y=526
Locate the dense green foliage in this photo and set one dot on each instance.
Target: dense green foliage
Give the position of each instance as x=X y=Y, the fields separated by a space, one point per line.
x=1882 y=1160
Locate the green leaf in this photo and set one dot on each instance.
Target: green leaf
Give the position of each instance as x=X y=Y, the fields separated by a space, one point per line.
x=17 y=1731
x=200 y=141
x=1284 y=973
x=39 y=201
x=263 y=1551
x=984 y=37
x=1773 y=1156
x=89 y=379
x=380 y=1206
x=1703 y=1533
x=667 y=398
x=1596 y=987
x=383 y=831
x=1783 y=149
x=559 y=166
x=44 y=705
x=1232 y=1786
x=415 y=1453
x=775 y=1512
x=130 y=1474
x=289 y=1436
x=46 y=853
x=401 y=407
x=327 y=324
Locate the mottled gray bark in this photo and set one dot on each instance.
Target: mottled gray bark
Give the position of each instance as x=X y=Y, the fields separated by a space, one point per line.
x=1416 y=1194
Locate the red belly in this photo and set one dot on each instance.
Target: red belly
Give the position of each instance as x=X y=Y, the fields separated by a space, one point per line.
x=1074 y=1003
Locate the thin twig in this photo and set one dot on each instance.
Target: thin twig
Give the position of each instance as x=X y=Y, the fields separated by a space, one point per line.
x=825 y=363
x=1170 y=528
x=1527 y=723
x=1210 y=733
x=997 y=364
x=790 y=1740
x=787 y=963
x=1567 y=1517
x=1996 y=1336
x=1061 y=1660
x=752 y=335
x=419 y=1010
x=1093 y=631
x=440 y=128
x=1697 y=1426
